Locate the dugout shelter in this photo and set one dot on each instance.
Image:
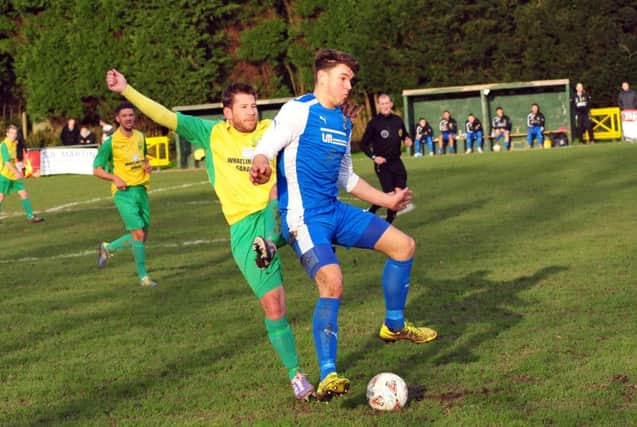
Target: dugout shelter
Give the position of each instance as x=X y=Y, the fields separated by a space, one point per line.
x=267 y=110
x=516 y=98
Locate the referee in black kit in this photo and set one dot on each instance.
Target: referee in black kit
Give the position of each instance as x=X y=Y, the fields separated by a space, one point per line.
x=382 y=143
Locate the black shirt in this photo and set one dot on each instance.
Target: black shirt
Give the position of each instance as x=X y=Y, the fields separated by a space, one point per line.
x=476 y=126
x=536 y=119
x=450 y=125
x=503 y=122
x=424 y=131
x=88 y=139
x=582 y=103
x=383 y=136
x=70 y=136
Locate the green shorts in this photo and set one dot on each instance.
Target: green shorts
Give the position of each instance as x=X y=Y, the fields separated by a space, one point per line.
x=9 y=185
x=133 y=207
x=242 y=235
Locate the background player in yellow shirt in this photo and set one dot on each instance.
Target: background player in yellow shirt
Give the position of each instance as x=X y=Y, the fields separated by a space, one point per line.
x=124 y=153
x=229 y=147
x=11 y=176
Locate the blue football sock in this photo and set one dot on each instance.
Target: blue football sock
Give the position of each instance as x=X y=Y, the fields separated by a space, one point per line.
x=396 y=276
x=325 y=330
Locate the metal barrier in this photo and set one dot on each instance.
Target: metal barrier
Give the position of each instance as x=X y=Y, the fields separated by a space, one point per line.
x=606 y=123
x=157 y=150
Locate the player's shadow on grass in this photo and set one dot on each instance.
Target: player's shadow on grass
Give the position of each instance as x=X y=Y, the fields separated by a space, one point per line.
x=107 y=395
x=472 y=300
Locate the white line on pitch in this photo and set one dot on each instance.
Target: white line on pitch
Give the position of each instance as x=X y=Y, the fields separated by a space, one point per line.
x=101 y=199
x=93 y=252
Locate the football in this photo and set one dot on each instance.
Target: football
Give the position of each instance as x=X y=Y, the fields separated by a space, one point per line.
x=387 y=392
x=496 y=147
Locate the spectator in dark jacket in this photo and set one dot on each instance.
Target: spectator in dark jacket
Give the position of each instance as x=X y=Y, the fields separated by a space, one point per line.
x=70 y=134
x=627 y=99
x=86 y=136
x=582 y=103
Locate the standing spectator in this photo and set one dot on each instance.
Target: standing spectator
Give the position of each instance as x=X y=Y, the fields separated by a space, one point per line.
x=501 y=128
x=424 y=134
x=70 y=134
x=382 y=143
x=582 y=102
x=627 y=99
x=86 y=136
x=448 y=130
x=474 y=132
x=535 y=123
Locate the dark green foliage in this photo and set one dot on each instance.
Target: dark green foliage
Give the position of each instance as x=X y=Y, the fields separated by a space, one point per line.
x=53 y=55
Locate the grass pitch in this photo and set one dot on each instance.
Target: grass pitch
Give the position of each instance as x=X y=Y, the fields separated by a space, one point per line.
x=525 y=265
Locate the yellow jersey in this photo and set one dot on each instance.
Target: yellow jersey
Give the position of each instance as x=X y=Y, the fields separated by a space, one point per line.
x=126 y=155
x=228 y=160
x=8 y=153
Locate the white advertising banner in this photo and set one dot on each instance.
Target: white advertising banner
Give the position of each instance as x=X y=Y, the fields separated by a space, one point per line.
x=61 y=160
x=629 y=124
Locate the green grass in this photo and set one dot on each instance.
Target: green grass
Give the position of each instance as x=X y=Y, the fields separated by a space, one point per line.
x=525 y=265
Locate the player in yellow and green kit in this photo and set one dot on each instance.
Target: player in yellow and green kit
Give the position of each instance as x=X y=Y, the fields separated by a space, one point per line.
x=11 y=175
x=124 y=153
x=247 y=208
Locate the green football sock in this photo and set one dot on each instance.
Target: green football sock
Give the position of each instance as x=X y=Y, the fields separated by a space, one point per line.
x=282 y=340
x=139 y=252
x=119 y=243
x=271 y=211
x=26 y=204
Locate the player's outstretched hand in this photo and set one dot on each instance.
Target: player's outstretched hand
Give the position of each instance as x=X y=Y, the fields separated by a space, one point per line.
x=408 y=142
x=399 y=199
x=115 y=81
x=261 y=171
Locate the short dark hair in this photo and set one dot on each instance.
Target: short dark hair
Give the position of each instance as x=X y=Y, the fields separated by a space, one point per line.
x=536 y=104
x=471 y=115
x=326 y=59
x=499 y=108
x=12 y=127
x=421 y=118
x=124 y=106
x=227 y=98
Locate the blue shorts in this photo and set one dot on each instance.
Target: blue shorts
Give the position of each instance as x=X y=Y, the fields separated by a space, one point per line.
x=446 y=135
x=343 y=225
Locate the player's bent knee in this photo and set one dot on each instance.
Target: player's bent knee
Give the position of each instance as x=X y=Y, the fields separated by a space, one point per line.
x=329 y=280
x=273 y=303
x=396 y=245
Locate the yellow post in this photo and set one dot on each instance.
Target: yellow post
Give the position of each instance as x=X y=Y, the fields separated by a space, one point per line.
x=158 y=151
x=607 y=123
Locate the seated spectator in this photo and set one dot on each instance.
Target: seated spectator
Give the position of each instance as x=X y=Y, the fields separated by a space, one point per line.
x=448 y=130
x=424 y=134
x=627 y=99
x=501 y=128
x=535 y=123
x=70 y=134
x=474 y=133
x=86 y=136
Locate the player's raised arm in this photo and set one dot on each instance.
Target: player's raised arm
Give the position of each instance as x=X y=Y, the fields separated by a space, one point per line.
x=116 y=82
